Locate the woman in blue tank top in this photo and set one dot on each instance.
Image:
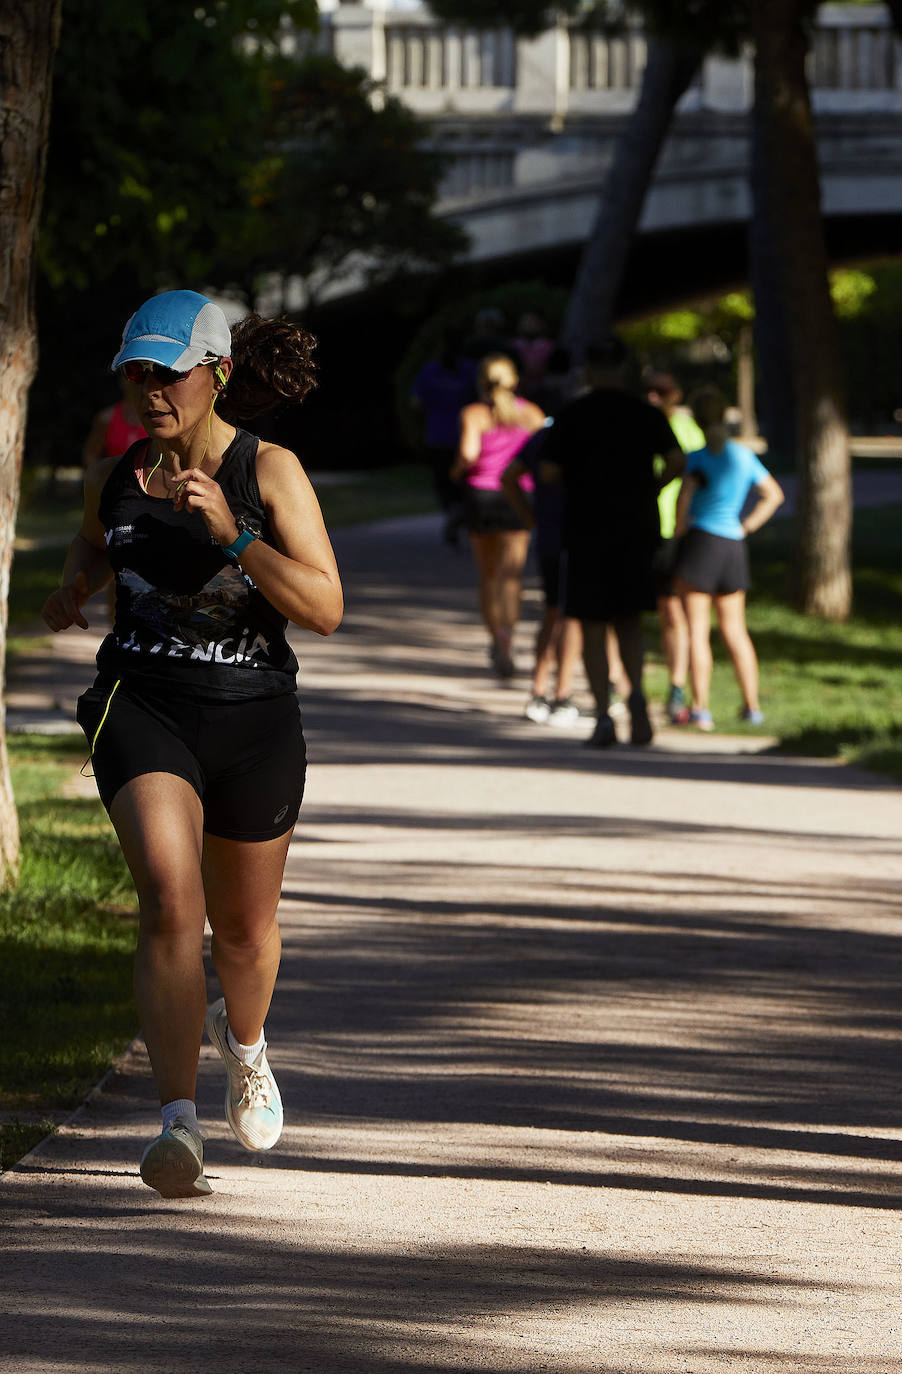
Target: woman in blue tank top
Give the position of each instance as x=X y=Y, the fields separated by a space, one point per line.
x=215 y=541
x=712 y=560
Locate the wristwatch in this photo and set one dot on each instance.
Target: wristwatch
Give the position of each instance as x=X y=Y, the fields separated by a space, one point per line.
x=247 y=533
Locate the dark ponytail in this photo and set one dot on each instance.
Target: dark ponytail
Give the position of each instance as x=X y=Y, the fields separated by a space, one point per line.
x=272 y=366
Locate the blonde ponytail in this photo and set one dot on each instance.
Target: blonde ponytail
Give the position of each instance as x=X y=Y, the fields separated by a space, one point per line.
x=497 y=382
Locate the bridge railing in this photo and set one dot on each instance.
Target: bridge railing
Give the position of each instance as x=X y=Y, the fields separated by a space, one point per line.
x=440 y=71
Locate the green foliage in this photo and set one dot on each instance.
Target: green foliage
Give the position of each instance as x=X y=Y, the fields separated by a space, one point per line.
x=851 y=291
x=700 y=343
x=868 y=312
x=187 y=151
x=528 y=17
x=156 y=120
x=693 y=23
x=350 y=181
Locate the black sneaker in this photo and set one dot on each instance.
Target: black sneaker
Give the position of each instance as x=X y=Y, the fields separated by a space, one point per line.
x=640 y=726
x=604 y=734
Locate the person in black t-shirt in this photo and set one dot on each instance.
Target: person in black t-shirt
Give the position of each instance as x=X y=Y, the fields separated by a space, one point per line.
x=216 y=541
x=602 y=448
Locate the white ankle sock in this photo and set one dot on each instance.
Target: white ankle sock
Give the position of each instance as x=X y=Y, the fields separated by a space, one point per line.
x=180 y=1107
x=246 y=1053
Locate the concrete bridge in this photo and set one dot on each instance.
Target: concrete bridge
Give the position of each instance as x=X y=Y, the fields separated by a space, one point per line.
x=530 y=128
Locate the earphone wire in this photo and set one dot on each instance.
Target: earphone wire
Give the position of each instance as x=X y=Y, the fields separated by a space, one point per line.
x=206 y=444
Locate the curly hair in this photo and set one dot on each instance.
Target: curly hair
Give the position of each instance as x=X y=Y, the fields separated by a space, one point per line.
x=273 y=365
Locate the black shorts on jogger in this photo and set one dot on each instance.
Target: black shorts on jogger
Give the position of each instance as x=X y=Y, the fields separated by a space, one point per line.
x=246 y=760
x=712 y=564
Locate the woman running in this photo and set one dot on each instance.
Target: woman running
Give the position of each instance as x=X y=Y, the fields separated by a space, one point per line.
x=492 y=431
x=712 y=564
x=216 y=541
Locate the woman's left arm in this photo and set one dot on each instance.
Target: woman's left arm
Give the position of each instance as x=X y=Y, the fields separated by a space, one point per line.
x=770 y=498
x=299 y=576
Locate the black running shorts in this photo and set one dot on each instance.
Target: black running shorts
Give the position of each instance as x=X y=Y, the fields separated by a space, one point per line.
x=246 y=760
x=489 y=512
x=601 y=584
x=712 y=564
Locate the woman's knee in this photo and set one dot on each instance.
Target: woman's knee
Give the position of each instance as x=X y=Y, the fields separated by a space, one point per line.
x=245 y=939
x=167 y=911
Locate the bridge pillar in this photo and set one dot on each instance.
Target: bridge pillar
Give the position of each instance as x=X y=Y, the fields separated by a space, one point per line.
x=359 y=39
x=543 y=75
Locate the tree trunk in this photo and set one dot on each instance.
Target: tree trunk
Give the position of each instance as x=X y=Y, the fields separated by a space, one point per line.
x=28 y=37
x=668 y=72
x=793 y=222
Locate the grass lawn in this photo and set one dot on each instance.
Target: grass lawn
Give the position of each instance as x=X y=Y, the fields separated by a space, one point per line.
x=67 y=934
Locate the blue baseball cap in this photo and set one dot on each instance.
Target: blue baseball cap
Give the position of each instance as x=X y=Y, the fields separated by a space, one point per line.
x=177 y=329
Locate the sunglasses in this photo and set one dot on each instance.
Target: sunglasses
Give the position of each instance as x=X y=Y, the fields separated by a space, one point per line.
x=136 y=369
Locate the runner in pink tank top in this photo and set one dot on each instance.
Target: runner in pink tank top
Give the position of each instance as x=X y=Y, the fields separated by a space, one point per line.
x=499 y=447
x=112 y=433
x=121 y=432
x=493 y=430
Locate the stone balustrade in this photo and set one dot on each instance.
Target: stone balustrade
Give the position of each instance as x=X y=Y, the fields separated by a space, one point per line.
x=856 y=62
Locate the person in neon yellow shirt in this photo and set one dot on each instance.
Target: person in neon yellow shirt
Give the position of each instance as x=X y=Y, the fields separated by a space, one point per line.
x=662 y=390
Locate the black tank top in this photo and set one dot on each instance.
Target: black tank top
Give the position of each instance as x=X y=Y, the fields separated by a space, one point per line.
x=187 y=616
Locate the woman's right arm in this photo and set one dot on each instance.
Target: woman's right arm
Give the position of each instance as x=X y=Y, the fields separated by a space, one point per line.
x=684 y=501
x=87 y=567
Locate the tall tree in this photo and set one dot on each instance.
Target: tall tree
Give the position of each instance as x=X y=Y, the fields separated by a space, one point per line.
x=28 y=38
x=792 y=214
x=152 y=139
x=671 y=65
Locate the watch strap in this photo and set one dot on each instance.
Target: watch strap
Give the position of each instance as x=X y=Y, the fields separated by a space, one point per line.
x=233 y=551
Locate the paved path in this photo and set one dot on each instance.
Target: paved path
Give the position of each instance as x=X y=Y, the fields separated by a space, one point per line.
x=591 y=1061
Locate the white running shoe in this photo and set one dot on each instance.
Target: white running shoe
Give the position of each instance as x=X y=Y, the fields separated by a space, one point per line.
x=173 y=1164
x=564 y=713
x=537 y=709
x=253 y=1106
